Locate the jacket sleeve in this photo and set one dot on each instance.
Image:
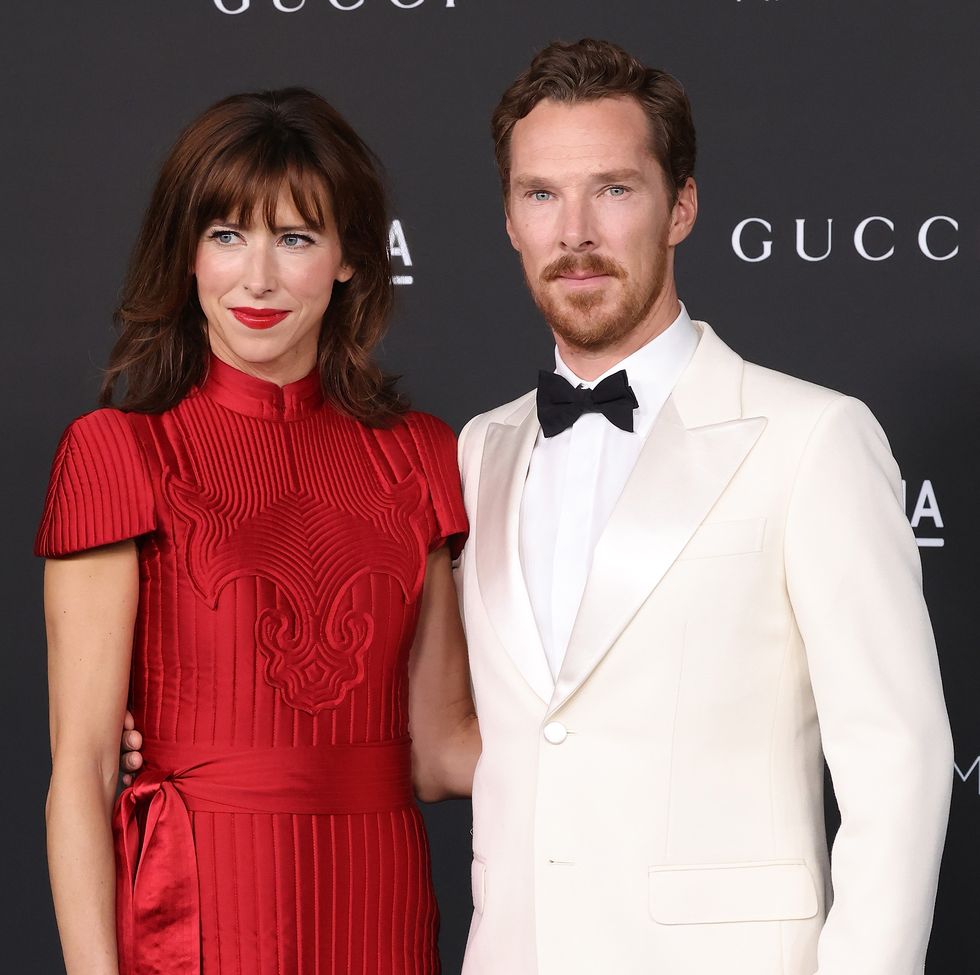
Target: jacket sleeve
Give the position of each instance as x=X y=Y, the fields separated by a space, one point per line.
x=855 y=583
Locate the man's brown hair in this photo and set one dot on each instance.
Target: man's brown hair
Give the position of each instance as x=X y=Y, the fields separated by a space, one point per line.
x=590 y=70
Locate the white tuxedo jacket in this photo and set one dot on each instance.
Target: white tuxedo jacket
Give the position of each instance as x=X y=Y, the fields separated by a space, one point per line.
x=754 y=605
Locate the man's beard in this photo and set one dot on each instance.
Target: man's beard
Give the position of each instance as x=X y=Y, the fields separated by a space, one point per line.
x=578 y=317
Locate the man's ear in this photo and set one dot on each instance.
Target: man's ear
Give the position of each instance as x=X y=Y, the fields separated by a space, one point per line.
x=684 y=213
x=510 y=228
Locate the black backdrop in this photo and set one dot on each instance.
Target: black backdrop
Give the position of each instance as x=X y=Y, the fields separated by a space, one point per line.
x=825 y=112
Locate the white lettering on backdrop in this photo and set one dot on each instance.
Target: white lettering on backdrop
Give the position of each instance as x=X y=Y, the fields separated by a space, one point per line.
x=291 y=6
x=752 y=246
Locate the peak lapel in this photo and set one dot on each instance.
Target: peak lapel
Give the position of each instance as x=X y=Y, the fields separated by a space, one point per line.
x=503 y=471
x=694 y=449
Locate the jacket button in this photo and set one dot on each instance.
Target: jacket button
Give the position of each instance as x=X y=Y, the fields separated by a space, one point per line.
x=555 y=732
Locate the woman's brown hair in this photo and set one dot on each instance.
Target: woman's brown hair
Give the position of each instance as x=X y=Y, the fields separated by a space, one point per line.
x=234 y=159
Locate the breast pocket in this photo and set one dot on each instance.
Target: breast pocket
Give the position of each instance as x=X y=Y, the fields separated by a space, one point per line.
x=766 y=890
x=720 y=538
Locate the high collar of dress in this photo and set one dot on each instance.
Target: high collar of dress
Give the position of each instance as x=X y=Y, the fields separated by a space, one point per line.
x=256 y=397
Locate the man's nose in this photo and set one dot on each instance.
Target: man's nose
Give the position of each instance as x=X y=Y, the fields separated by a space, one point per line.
x=578 y=230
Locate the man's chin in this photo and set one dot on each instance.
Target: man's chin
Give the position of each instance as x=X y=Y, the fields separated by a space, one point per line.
x=587 y=336
x=583 y=308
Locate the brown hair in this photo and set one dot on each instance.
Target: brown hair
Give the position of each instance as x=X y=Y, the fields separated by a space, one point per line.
x=590 y=70
x=236 y=157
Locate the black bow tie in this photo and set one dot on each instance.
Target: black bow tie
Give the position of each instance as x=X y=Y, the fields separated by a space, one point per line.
x=560 y=403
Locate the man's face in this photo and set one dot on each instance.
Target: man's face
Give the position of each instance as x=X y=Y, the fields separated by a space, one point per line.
x=591 y=215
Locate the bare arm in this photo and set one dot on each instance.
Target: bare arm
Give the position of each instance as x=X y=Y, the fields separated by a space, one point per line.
x=442 y=718
x=90 y=608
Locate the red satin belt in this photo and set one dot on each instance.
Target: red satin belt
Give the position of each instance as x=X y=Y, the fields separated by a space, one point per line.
x=158 y=907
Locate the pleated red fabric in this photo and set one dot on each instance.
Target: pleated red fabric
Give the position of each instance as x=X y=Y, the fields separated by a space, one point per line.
x=282 y=549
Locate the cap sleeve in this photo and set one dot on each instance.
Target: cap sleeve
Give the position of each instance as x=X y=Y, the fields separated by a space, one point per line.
x=100 y=490
x=436 y=445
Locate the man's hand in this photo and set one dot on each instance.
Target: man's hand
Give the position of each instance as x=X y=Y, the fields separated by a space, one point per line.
x=130 y=744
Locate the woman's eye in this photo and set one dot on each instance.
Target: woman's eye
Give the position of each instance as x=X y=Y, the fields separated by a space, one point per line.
x=223 y=236
x=294 y=241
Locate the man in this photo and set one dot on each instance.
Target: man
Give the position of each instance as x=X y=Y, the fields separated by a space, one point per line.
x=684 y=587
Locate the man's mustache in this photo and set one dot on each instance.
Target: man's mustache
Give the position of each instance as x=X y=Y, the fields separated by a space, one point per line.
x=584 y=264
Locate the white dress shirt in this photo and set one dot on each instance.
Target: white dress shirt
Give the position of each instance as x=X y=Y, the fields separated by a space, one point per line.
x=576 y=477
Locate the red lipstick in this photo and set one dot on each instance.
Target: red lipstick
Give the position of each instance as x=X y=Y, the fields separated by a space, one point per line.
x=259 y=317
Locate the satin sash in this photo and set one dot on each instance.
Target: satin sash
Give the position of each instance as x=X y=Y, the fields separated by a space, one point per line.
x=158 y=907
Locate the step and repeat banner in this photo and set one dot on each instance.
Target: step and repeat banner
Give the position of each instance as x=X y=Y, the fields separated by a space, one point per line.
x=838 y=240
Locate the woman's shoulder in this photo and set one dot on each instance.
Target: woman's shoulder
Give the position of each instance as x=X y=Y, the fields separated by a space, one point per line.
x=429 y=427
x=106 y=420
x=106 y=435
x=432 y=438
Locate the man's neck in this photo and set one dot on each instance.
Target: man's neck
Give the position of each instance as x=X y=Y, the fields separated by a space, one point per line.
x=589 y=364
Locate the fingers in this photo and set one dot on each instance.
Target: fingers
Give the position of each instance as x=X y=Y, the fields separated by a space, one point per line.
x=131 y=742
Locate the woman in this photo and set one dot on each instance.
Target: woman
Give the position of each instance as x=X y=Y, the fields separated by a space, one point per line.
x=254 y=553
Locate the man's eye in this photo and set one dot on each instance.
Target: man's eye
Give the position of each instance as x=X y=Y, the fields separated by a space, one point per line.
x=540 y=196
x=618 y=191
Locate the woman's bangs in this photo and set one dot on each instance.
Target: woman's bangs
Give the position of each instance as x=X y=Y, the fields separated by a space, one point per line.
x=250 y=181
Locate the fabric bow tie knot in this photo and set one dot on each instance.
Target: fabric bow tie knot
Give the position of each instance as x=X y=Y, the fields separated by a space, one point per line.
x=560 y=403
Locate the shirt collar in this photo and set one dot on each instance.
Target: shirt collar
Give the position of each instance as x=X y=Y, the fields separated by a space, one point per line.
x=652 y=370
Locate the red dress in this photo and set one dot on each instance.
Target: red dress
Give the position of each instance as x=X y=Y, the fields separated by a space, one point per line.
x=282 y=549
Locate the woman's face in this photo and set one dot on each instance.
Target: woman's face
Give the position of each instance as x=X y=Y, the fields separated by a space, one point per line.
x=264 y=291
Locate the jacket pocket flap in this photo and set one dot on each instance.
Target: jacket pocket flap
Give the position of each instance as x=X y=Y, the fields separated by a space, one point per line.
x=770 y=890
x=726 y=538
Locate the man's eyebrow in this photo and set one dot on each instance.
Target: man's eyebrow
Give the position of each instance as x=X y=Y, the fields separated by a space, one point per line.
x=616 y=176
x=528 y=182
